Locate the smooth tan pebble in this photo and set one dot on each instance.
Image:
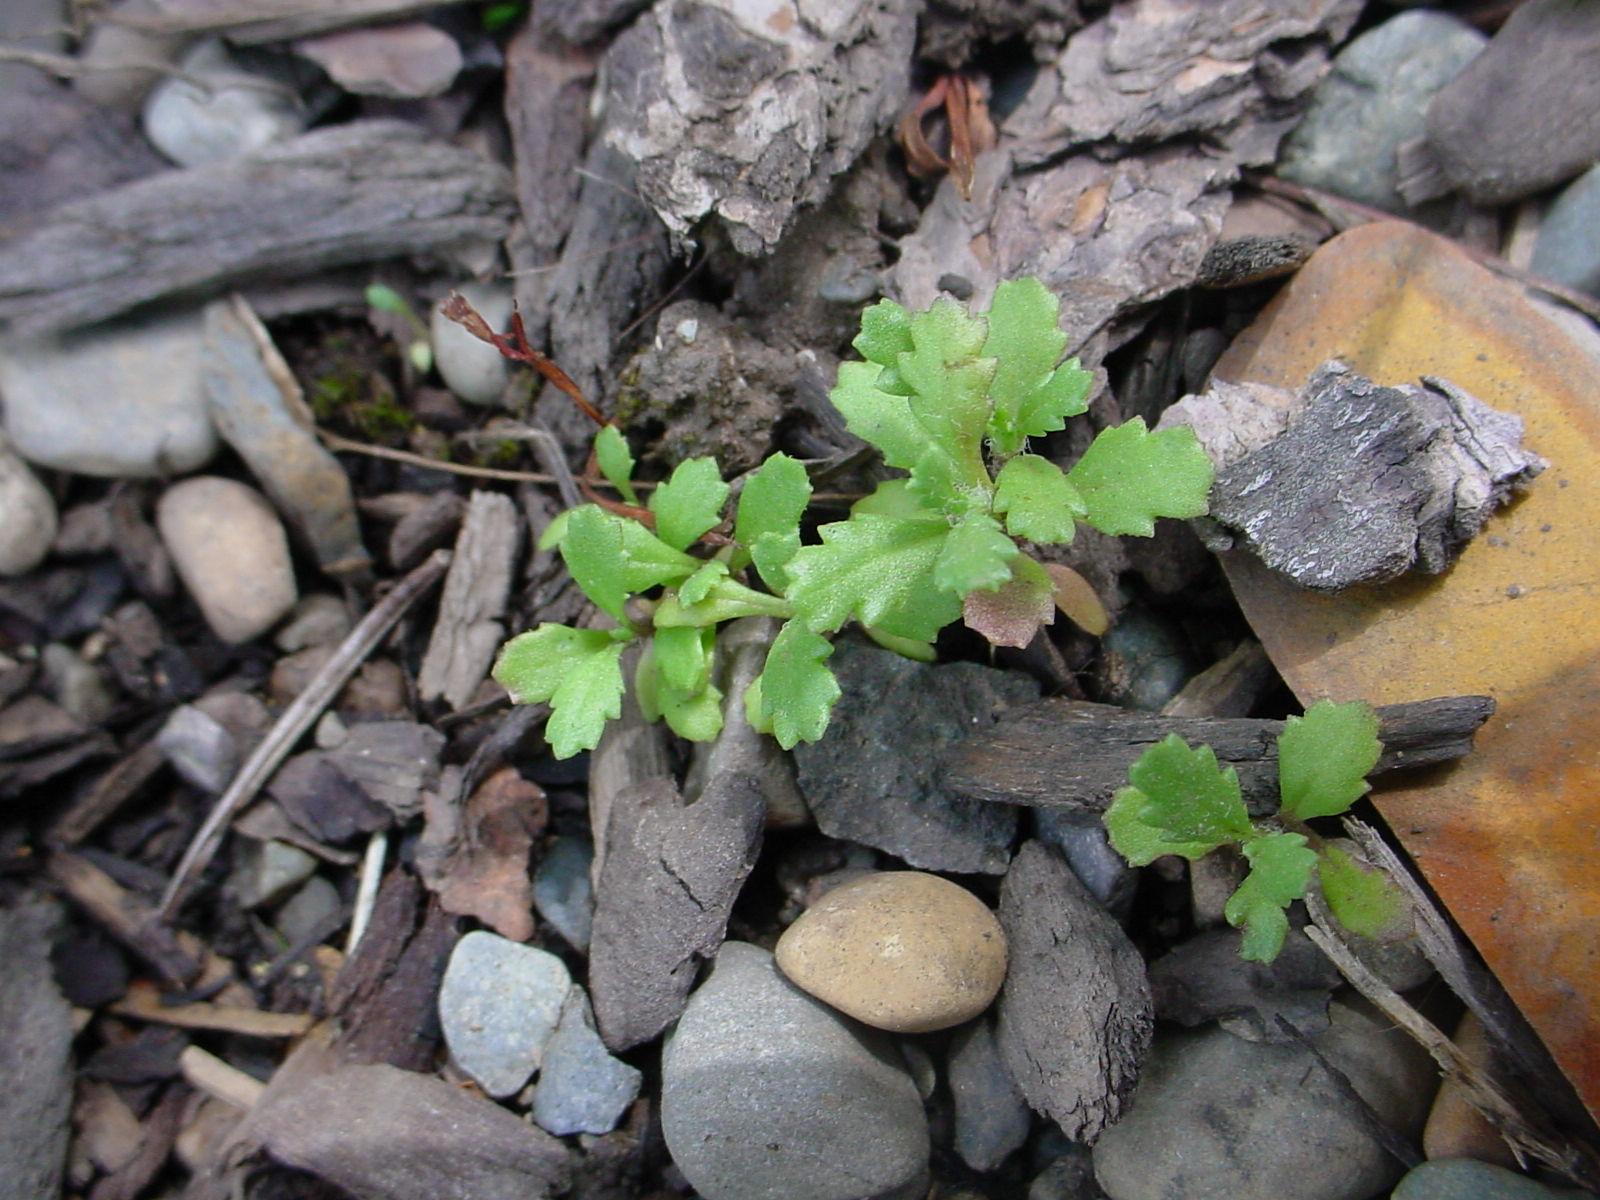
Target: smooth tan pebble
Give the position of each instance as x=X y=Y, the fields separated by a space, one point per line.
x=900 y=950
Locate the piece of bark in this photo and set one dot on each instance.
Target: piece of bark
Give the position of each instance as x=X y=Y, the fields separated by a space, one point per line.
x=1104 y=236
x=394 y=762
x=632 y=753
x=420 y=532
x=581 y=22
x=1367 y=481
x=954 y=32
x=547 y=108
x=1072 y=754
x=613 y=265
x=57 y=147
x=40 y=740
x=127 y=917
x=386 y=995
x=354 y=193
x=475 y=857
x=381 y=1133
x=324 y=801
x=120 y=782
x=1075 y=1013
x=160 y=1133
x=730 y=114
x=671 y=875
x=468 y=632
x=252 y=22
x=1154 y=70
x=35 y=1056
x=1229 y=687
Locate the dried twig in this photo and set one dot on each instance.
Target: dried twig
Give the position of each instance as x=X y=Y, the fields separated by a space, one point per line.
x=207 y=1073
x=126 y=916
x=295 y=721
x=367 y=889
x=144 y=1003
x=122 y=781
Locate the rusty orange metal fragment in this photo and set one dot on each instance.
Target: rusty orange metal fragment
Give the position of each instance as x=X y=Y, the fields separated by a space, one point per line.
x=1510 y=837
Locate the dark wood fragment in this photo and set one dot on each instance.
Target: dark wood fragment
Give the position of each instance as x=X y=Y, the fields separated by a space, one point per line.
x=324 y=801
x=129 y=918
x=161 y=1130
x=667 y=887
x=1075 y=1014
x=361 y=192
x=35 y=1056
x=121 y=782
x=1073 y=754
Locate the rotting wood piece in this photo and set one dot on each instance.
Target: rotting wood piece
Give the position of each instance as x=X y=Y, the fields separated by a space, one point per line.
x=354 y=193
x=1074 y=754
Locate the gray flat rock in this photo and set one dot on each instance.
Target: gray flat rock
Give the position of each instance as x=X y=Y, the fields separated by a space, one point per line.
x=121 y=399
x=992 y=1118
x=28 y=518
x=498 y=1005
x=1568 y=249
x=768 y=1094
x=1219 y=1118
x=581 y=1088
x=1374 y=100
x=874 y=777
x=1464 y=1179
x=35 y=1057
x=563 y=894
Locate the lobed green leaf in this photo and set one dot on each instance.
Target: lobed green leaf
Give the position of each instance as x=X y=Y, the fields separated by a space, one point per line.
x=1280 y=868
x=1188 y=797
x=797 y=690
x=770 y=507
x=877 y=569
x=1363 y=899
x=1031 y=395
x=976 y=555
x=577 y=671
x=699 y=585
x=879 y=418
x=1038 y=501
x=689 y=503
x=1324 y=758
x=683 y=656
x=1130 y=476
x=612 y=558
x=1140 y=842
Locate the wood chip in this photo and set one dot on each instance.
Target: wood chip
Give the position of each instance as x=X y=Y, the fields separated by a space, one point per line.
x=346 y=194
x=144 y=1003
x=1072 y=754
x=469 y=631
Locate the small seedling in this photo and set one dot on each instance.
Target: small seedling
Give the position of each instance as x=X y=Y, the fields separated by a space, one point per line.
x=419 y=350
x=1180 y=802
x=951 y=399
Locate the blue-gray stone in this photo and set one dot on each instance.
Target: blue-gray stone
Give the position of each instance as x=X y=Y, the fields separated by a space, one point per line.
x=992 y=1119
x=1568 y=249
x=36 y=1056
x=563 y=894
x=498 y=1005
x=874 y=777
x=121 y=399
x=1144 y=661
x=1466 y=1179
x=769 y=1094
x=581 y=1088
x=1374 y=99
x=1215 y=1117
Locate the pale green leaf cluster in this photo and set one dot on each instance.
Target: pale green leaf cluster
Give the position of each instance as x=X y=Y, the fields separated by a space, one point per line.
x=948 y=397
x=1179 y=801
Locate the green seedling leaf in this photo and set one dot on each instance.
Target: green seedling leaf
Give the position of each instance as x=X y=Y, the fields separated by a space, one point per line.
x=1037 y=500
x=879 y=418
x=1324 y=758
x=647 y=683
x=1130 y=476
x=689 y=503
x=683 y=656
x=949 y=397
x=893 y=498
x=1363 y=899
x=1032 y=396
x=616 y=461
x=797 y=690
x=878 y=570
x=754 y=707
x=1189 y=798
x=696 y=716
x=576 y=670
x=550 y=538
x=1137 y=840
x=383 y=298
x=1280 y=868
x=885 y=334
x=770 y=507
x=976 y=556
x=421 y=355
x=698 y=586
x=592 y=545
x=1014 y=612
